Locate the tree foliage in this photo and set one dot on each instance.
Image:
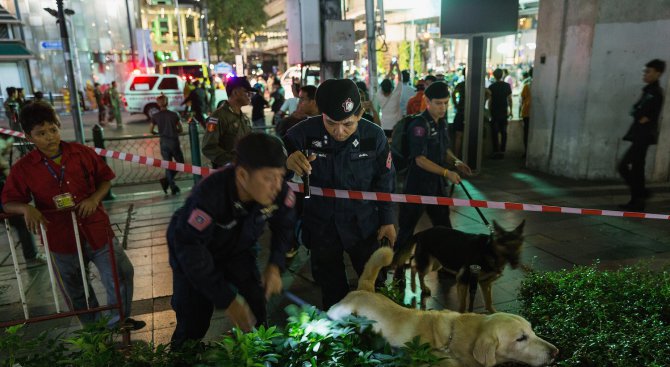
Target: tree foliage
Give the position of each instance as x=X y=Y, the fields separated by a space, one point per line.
x=231 y=21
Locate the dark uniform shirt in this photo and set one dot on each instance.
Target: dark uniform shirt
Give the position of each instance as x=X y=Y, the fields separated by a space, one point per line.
x=223 y=129
x=649 y=105
x=362 y=162
x=429 y=139
x=167 y=122
x=211 y=236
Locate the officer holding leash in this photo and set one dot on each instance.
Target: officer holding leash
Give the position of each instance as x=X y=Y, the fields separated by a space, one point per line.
x=212 y=240
x=340 y=150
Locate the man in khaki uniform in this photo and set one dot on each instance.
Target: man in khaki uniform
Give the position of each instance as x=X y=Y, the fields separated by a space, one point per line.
x=228 y=124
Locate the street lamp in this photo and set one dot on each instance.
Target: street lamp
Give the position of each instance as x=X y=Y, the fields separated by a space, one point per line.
x=72 y=86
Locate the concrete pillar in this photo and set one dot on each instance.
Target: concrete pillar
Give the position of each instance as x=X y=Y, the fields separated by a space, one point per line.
x=588 y=73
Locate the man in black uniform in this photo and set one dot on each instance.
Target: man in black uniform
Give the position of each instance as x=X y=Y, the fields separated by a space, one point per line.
x=212 y=240
x=642 y=133
x=169 y=129
x=429 y=155
x=347 y=153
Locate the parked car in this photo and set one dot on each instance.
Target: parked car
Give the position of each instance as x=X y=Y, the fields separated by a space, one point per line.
x=142 y=89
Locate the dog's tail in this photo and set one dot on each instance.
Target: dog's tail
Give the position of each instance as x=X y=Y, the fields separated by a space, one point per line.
x=379 y=259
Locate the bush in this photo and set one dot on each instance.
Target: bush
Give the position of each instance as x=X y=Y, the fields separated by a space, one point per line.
x=309 y=339
x=602 y=318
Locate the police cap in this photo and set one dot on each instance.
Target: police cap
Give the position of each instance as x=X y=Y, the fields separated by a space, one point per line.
x=238 y=82
x=437 y=90
x=338 y=98
x=259 y=150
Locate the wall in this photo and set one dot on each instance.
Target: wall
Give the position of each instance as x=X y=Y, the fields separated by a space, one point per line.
x=594 y=52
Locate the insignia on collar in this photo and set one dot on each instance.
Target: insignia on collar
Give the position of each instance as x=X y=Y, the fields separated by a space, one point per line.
x=355 y=143
x=269 y=210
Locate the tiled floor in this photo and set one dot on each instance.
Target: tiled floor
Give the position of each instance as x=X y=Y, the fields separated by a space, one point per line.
x=552 y=242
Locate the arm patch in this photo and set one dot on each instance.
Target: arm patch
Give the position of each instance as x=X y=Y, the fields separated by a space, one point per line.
x=199 y=219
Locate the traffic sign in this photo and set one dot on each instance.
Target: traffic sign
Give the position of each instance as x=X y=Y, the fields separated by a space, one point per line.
x=51 y=45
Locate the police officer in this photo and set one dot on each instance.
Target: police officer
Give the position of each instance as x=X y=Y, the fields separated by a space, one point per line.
x=228 y=124
x=349 y=153
x=429 y=156
x=212 y=240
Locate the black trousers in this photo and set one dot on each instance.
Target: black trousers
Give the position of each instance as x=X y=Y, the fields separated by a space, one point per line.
x=327 y=260
x=631 y=168
x=411 y=213
x=194 y=310
x=499 y=134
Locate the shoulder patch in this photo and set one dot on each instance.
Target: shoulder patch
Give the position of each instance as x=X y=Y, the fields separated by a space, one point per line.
x=212 y=122
x=289 y=201
x=199 y=219
x=419 y=131
x=389 y=160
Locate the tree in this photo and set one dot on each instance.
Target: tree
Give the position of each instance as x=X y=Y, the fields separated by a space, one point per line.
x=231 y=21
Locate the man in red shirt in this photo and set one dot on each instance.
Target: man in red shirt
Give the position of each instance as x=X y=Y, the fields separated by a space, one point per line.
x=416 y=104
x=62 y=177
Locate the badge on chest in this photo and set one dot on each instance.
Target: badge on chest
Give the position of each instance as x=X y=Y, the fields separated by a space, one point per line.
x=64 y=201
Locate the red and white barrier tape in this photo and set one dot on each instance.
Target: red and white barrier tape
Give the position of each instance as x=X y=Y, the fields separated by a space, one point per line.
x=377 y=196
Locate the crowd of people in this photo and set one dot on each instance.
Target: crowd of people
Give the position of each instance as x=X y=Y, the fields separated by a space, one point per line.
x=332 y=136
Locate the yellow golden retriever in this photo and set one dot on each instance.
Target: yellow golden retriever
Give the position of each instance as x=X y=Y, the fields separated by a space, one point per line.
x=468 y=340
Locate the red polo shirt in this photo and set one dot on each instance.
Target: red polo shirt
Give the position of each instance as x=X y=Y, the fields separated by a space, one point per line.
x=83 y=171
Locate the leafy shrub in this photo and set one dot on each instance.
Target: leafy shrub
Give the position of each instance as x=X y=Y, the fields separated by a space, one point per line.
x=602 y=318
x=309 y=339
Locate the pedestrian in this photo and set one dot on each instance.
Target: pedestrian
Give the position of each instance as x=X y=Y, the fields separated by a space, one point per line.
x=458 y=99
x=499 y=97
x=429 y=157
x=414 y=103
x=61 y=177
x=39 y=96
x=20 y=97
x=258 y=104
x=306 y=108
x=642 y=133
x=115 y=105
x=276 y=100
x=169 y=129
x=407 y=91
x=228 y=123
x=524 y=108
x=213 y=238
x=290 y=104
x=370 y=113
x=188 y=88
x=340 y=150
x=197 y=99
x=100 y=101
x=388 y=99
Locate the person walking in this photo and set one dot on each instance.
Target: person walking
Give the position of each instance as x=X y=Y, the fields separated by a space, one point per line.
x=642 y=133
x=115 y=104
x=388 y=99
x=100 y=101
x=169 y=129
x=499 y=97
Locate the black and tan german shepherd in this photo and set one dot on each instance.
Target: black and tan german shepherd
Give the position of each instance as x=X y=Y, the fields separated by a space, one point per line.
x=443 y=247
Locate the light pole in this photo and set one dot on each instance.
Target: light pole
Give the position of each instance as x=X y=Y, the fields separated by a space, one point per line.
x=69 y=69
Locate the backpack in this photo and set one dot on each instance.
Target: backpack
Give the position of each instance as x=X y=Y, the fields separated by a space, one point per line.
x=400 y=142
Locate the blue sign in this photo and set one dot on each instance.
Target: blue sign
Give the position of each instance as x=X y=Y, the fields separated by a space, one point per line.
x=51 y=45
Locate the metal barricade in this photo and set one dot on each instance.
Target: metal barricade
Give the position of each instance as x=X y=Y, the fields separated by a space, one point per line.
x=54 y=281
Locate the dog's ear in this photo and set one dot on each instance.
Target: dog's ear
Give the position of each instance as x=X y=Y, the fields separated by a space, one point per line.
x=519 y=229
x=485 y=349
x=497 y=228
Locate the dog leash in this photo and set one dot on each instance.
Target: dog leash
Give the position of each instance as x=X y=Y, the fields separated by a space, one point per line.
x=481 y=215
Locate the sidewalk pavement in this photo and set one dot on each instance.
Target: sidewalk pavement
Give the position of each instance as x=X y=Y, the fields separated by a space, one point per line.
x=553 y=241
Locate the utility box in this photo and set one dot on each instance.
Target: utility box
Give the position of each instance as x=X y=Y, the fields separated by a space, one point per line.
x=304 y=31
x=340 y=39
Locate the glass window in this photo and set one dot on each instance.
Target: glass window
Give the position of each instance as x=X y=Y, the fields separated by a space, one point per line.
x=168 y=83
x=143 y=82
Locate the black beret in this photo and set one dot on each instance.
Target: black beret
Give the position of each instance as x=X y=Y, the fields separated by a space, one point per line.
x=338 y=98
x=437 y=90
x=259 y=150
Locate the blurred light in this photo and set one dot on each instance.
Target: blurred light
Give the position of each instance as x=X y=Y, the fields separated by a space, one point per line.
x=136 y=72
x=93 y=24
x=531 y=45
x=506 y=48
x=229 y=75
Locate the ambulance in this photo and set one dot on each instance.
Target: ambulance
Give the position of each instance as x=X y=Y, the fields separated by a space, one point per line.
x=142 y=89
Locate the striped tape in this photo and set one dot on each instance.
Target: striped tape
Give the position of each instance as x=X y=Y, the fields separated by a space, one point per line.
x=377 y=196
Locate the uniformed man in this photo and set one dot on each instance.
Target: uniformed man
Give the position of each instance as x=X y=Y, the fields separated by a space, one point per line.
x=429 y=156
x=212 y=240
x=348 y=153
x=228 y=124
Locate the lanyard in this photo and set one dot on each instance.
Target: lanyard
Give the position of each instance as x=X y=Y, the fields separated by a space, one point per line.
x=53 y=173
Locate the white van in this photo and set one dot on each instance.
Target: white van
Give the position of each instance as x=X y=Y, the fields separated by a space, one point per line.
x=142 y=90
x=310 y=76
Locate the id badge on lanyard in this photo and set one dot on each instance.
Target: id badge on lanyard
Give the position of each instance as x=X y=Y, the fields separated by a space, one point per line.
x=62 y=201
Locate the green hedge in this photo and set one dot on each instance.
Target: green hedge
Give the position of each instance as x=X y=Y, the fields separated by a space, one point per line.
x=309 y=339
x=602 y=318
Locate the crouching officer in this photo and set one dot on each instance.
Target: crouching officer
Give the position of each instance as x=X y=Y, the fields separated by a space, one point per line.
x=212 y=240
x=343 y=152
